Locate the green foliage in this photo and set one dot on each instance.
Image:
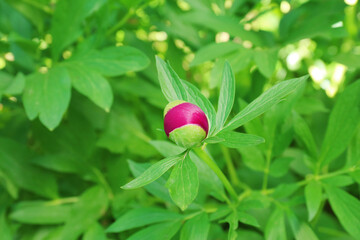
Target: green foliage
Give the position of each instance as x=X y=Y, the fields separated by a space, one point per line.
x=141 y=217
x=346 y=208
x=153 y=172
x=227 y=96
x=183 y=183
x=83 y=84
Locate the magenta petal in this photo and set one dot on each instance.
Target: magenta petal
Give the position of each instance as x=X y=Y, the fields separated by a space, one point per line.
x=183 y=114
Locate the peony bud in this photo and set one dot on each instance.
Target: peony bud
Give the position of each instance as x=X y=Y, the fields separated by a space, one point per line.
x=185 y=123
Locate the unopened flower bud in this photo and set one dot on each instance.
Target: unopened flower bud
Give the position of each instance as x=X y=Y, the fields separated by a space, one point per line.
x=185 y=123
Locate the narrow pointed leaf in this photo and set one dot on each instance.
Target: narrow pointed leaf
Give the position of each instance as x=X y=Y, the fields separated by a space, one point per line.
x=313 y=197
x=275 y=227
x=346 y=208
x=343 y=121
x=196 y=228
x=227 y=96
x=302 y=130
x=153 y=172
x=170 y=82
x=265 y=101
x=183 y=183
x=300 y=229
x=163 y=231
x=141 y=217
x=235 y=139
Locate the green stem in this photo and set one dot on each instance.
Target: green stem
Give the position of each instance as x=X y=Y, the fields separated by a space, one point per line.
x=267 y=168
x=208 y=160
x=231 y=169
x=128 y=15
x=103 y=181
x=319 y=177
x=230 y=166
x=121 y=22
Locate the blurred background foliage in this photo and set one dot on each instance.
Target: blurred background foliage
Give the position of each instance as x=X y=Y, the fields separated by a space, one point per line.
x=87 y=69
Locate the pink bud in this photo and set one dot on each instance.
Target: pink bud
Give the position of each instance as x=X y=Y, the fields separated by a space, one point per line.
x=185 y=123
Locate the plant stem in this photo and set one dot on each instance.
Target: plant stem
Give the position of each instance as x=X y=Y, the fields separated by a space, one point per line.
x=231 y=169
x=131 y=12
x=319 y=177
x=230 y=166
x=267 y=168
x=121 y=22
x=208 y=160
x=103 y=181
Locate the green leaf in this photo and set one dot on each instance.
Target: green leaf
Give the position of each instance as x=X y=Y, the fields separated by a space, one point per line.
x=313 y=197
x=47 y=95
x=353 y=152
x=247 y=219
x=6 y=232
x=91 y=84
x=170 y=82
x=9 y=185
x=264 y=102
x=14 y=162
x=95 y=232
x=227 y=96
x=285 y=189
x=233 y=221
x=302 y=130
x=156 y=188
x=91 y=205
x=167 y=148
x=341 y=180
x=346 y=208
x=197 y=228
x=212 y=51
x=266 y=61
x=252 y=158
x=183 y=183
x=235 y=139
x=124 y=132
x=40 y=212
x=343 y=121
x=112 y=61
x=64 y=29
x=275 y=227
x=208 y=180
x=140 y=217
x=300 y=229
x=16 y=86
x=59 y=162
x=154 y=172
x=149 y=91
x=280 y=166
x=214 y=139
x=163 y=231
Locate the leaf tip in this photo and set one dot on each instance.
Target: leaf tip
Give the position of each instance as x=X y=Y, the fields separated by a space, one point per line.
x=126 y=186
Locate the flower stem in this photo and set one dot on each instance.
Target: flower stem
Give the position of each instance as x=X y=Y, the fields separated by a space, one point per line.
x=208 y=160
x=267 y=168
